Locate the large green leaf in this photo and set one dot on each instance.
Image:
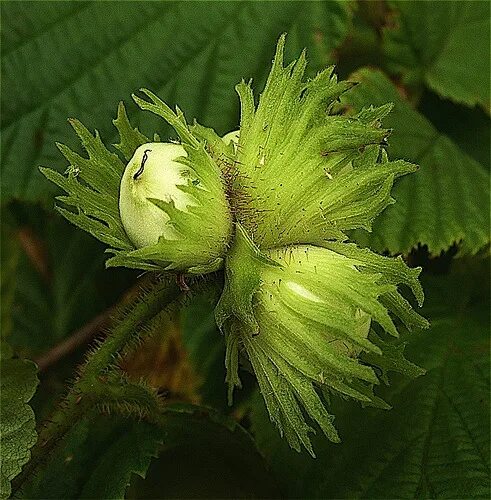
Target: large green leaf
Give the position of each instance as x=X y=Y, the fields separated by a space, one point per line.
x=100 y=456
x=444 y=45
x=446 y=201
x=434 y=442
x=467 y=127
x=18 y=382
x=81 y=59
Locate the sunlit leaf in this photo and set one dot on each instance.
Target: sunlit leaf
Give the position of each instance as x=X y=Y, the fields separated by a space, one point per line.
x=446 y=201
x=442 y=45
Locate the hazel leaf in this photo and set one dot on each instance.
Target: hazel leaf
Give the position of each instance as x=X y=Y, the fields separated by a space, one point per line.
x=442 y=45
x=446 y=202
x=18 y=384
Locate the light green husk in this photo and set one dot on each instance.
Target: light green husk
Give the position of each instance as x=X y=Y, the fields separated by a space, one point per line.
x=312 y=313
x=306 y=316
x=92 y=185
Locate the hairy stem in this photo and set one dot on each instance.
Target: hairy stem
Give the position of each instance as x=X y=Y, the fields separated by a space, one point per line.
x=97 y=382
x=149 y=305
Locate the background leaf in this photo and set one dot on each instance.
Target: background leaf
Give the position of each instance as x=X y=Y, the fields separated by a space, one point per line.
x=18 y=382
x=446 y=201
x=441 y=45
x=96 y=460
x=81 y=59
x=205 y=455
x=467 y=127
x=206 y=347
x=58 y=282
x=54 y=285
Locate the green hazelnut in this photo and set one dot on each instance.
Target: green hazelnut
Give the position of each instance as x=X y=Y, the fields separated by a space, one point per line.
x=153 y=173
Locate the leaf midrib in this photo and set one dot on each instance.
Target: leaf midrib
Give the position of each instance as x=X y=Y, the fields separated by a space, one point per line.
x=144 y=25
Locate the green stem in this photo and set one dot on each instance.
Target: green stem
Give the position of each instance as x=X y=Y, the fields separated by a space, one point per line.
x=145 y=309
x=92 y=385
x=122 y=396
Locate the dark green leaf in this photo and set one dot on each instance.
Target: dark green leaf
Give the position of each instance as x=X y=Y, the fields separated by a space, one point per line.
x=59 y=287
x=467 y=127
x=205 y=455
x=100 y=455
x=206 y=348
x=96 y=460
x=11 y=256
